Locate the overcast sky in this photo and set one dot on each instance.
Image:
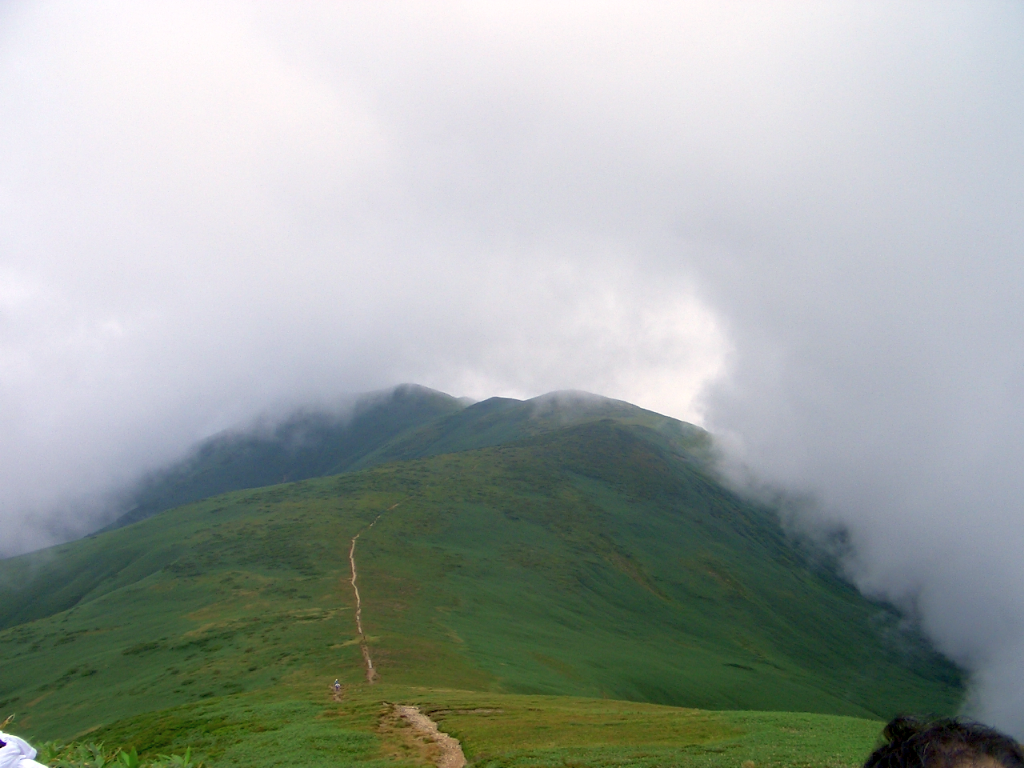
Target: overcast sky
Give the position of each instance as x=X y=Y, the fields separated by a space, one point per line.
x=797 y=224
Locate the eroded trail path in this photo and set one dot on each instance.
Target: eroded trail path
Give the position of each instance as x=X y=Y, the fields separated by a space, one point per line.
x=449 y=750
x=443 y=750
x=371 y=673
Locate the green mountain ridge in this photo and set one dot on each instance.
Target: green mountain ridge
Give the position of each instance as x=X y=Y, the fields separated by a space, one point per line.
x=569 y=545
x=307 y=444
x=407 y=422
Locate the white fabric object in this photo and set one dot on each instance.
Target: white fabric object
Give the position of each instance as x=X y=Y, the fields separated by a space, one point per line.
x=17 y=753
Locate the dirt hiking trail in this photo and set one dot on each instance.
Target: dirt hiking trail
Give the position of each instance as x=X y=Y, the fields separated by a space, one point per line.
x=444 y=750
x=449 y=749
x=371 y=673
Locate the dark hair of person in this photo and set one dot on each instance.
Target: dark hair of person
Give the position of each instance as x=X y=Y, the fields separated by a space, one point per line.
x=947 y=743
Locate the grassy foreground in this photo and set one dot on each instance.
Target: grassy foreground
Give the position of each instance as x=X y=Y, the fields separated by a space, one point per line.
x=493 y=573
x=495 y=730
x=588 y=595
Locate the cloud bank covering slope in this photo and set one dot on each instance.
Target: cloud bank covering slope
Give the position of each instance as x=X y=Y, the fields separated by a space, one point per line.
x=797 y=225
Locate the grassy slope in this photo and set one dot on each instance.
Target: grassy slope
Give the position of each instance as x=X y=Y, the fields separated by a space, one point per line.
x=408 y=422
x=496 y=730
x=585 y=561
x=308 y=444
x=501 y=420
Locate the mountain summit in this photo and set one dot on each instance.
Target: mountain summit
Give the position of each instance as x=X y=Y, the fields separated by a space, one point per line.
x=568 y=544
x=406 y=422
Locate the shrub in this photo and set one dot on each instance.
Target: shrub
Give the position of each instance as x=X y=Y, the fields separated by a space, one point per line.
x=89 y=755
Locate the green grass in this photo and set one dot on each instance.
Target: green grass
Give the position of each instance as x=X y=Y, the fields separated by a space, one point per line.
x=308 y=444
x=596 y=561
x=409 y=422
x=246 y=730
x=494 y=729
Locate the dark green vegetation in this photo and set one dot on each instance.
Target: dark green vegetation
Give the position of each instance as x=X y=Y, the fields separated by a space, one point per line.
x=570 y=546
x=496 y=730
x=308 y=444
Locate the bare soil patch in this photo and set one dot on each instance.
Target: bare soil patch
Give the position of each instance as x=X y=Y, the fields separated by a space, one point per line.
x=435 y=746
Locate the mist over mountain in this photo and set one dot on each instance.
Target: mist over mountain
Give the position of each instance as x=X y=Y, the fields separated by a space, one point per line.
x=798 y=228
x=407 y=422
x=567 y=545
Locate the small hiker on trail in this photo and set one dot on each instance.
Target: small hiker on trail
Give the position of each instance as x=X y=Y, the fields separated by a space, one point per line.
x=337 y=686
x=16 y=753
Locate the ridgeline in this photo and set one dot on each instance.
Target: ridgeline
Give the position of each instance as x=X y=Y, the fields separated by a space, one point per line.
x=520 y=553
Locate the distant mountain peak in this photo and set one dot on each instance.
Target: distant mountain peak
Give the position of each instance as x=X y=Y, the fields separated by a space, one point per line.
x=402 y=422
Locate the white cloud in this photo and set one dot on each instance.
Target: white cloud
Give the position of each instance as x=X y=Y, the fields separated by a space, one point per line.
x=798 y=222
